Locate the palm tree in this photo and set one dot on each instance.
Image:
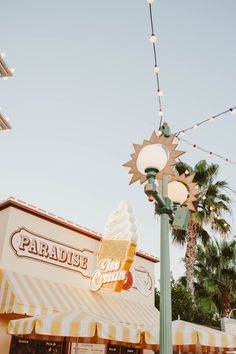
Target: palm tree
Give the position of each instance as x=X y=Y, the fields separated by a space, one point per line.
x=212 y=205
x=215 y=273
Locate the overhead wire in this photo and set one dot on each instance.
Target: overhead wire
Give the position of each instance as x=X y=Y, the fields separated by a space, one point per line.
x=181 y=133
x=210 y=119
x=153 y=40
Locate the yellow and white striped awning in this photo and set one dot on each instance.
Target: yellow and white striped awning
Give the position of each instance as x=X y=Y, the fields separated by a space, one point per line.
x=76 y=323
x=22 y=294
x=190 y=334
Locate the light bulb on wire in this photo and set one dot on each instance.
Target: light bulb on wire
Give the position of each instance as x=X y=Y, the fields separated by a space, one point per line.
x=159 y=93
x=156 y=69
x=153 y=38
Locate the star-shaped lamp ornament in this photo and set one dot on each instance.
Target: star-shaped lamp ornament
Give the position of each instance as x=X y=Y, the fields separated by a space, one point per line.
x=186 y=187
x=162 y=149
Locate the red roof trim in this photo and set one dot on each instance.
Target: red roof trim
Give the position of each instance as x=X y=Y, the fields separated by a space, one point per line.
x=57 y=220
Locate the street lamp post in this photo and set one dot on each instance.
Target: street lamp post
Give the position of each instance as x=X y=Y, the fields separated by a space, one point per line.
x=153 y=161
x=163 y=208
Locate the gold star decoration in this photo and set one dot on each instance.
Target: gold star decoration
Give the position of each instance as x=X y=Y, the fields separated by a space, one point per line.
x=167 y=142
x=192 y=187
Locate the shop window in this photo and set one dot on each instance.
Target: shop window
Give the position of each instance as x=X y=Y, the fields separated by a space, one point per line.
x=52 y=347
x=21 y=345
x=118 y=349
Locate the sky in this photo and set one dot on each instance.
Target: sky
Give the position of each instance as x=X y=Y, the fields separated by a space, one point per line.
x=84 y=91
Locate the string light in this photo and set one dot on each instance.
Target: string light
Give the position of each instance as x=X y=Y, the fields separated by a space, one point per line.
x=211 y=120
x=156 y=69
x=153 y=40
x=210 y=153
x=226 y=161
x=186 y=172
x=3 y=55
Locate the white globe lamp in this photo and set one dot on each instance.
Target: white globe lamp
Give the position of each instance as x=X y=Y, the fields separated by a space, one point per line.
x=177 y=192
x=152 y=156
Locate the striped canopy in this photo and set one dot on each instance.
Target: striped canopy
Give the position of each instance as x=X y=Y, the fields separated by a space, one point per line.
x=76 y=323
x=190 y=334
x=33 y=296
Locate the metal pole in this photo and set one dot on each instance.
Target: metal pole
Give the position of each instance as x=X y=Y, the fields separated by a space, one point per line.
x=165 y=289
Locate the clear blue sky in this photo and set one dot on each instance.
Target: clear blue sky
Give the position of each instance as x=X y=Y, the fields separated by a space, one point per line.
x=84 y=91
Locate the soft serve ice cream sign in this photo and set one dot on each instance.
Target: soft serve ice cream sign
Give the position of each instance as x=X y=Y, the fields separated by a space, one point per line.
x=117 y=250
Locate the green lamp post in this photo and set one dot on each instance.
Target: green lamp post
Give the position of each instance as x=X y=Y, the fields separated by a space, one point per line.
x=153 y=162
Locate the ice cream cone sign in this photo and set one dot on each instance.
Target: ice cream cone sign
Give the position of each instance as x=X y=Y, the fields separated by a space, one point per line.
x=117 y=251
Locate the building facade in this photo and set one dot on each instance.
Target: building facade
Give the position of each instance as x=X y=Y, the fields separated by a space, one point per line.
x=46 y=266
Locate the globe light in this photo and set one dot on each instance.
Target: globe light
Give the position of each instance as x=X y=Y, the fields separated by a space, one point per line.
x=152 y=156
x=156 y=69
x=233 y=110
x=153 y=38
x=177 y=192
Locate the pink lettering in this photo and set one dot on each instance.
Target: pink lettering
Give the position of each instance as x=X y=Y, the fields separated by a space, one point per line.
x=43 y=249
x=33 y=247
x=24 y=241
x=69 y=257
x=62 y=255
x=76 y=260
x=53 y=253
x=84 y=262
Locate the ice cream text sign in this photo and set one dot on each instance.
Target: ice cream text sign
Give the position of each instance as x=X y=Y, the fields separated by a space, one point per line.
x=117 y=251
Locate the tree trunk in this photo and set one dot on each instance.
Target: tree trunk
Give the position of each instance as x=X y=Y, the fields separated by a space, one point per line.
x=226 y=308
x=190 y=255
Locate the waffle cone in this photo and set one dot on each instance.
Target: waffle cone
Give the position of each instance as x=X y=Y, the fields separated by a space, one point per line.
x=121 y=250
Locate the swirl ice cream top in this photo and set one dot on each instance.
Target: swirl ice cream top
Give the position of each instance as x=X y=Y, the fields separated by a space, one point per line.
x=121 y=224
